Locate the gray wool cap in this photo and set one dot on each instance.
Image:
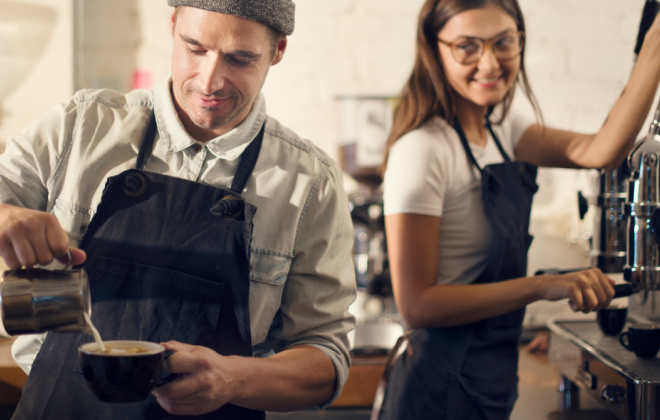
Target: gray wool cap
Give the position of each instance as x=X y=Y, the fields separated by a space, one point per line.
x=278 y=14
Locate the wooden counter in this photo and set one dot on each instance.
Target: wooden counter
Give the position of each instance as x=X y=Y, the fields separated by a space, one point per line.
x=363 y=378
x=12 y=378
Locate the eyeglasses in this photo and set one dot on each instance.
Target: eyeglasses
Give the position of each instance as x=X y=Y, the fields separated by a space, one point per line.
x=468 y=50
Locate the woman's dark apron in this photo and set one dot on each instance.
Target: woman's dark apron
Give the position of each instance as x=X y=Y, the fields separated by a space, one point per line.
x=469 y=372
x=168 y=259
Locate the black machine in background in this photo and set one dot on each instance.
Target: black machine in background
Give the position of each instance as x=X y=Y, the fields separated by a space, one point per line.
x=372 y=269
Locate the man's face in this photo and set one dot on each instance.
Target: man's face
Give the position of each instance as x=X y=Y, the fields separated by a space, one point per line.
x=219 y=64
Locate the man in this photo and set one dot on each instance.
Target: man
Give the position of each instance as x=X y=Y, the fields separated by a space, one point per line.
x=180 y=203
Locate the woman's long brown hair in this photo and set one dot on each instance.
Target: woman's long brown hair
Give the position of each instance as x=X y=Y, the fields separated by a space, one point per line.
x=428 y=93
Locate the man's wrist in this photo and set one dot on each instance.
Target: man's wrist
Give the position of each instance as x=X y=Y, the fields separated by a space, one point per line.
x=238 y=369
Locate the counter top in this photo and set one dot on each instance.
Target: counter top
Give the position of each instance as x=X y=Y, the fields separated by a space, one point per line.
x=539 y=397
x=539 y=382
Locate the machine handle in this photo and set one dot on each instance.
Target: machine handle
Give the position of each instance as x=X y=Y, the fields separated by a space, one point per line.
x=623 y=290
x=555 y=271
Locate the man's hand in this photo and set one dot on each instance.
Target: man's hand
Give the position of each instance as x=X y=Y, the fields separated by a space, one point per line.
x=30 y=237
x=208 y=381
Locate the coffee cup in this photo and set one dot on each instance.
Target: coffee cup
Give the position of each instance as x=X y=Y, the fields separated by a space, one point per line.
x=127 y=372
x=612 y=319
x=643 y=339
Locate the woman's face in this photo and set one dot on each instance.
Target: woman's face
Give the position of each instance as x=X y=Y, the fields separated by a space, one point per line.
x=488 y=80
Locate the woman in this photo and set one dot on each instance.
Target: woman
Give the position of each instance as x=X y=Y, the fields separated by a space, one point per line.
x=458 y=187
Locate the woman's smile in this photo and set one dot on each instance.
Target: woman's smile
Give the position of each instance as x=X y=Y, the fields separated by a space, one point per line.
x=487 y=82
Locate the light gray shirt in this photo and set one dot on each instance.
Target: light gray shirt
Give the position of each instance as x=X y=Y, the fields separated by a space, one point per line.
x=302 y=276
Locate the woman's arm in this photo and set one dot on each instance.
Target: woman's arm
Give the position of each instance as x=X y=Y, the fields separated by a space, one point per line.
x=413 y=252
x=608 y=147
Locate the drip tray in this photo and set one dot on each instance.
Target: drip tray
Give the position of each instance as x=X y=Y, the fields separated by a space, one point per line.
x=609 y=350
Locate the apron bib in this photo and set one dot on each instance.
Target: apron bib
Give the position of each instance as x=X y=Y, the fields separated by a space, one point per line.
x=470 y=371
x=168 y=259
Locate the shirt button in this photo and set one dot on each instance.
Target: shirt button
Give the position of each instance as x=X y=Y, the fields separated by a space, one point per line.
x=83 y=228
x=197 y=147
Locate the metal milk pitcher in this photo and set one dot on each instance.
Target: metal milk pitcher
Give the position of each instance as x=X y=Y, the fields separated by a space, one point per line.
x=35 y=300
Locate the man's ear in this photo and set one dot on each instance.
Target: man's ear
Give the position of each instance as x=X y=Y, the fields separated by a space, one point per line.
x=172 y=22
x=279 y=51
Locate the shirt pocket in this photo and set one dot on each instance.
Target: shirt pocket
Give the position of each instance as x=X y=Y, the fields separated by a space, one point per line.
x=74 y=218
x=268 y=273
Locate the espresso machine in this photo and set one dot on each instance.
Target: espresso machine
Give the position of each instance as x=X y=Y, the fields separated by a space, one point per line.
x=626 y=239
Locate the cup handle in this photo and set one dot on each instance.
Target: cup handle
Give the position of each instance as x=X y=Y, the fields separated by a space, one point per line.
x=165 y=375
x=621 y=340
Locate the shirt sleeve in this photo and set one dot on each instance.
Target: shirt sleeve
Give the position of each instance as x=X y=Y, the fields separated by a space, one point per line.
x=31 y=158
x=415 y=180
x=27 y=166
x=321 y=282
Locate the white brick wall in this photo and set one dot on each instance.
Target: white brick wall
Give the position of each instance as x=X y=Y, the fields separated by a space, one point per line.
x=36 y=60
x=579 y=56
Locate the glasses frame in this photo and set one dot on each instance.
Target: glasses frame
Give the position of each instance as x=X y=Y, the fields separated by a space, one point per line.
x=485 y=43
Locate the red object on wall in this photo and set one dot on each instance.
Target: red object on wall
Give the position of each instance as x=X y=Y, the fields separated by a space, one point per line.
x=142 y=79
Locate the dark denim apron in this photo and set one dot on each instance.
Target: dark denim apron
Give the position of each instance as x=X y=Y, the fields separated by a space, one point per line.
x=469 y=372
x=168 y=259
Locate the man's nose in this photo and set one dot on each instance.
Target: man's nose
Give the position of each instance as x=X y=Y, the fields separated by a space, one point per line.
x=211 y=75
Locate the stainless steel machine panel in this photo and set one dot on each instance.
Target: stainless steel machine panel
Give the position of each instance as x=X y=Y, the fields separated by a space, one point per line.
x=599 y=365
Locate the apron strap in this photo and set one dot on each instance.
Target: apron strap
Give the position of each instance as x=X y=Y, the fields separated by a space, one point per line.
x=382 y=384
x=248 y=161
x=468 y=150
x=497 y=142
x=147 y=144
x=245 y=167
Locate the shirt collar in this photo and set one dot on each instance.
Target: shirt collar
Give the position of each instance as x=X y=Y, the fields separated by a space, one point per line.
x=175 y=138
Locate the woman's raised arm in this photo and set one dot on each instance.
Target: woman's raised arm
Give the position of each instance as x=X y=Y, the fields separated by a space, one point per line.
x=609 y=147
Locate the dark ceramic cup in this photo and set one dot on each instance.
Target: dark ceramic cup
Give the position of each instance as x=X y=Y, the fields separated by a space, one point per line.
x=612 y=319
x=123 y=377
x=643 y=339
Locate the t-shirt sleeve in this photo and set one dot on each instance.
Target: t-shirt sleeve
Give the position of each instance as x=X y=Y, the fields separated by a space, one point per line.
x=415 y=181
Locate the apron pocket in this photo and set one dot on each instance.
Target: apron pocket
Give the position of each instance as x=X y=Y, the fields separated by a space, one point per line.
x=139 y=302
x=467 y=404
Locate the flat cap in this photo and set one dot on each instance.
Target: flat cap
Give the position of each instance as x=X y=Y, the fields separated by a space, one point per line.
x=278 y=14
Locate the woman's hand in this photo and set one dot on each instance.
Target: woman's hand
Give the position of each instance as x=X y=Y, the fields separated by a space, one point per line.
x=587 y=291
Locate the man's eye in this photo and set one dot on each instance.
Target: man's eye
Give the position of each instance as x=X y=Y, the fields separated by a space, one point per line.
x=196 y=52
x=239 y=63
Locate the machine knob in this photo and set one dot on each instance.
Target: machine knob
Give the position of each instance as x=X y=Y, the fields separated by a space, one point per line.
x=583 y=205
x=614 y=394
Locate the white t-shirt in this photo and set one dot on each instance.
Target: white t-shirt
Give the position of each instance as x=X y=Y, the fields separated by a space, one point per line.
x=429 y=173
